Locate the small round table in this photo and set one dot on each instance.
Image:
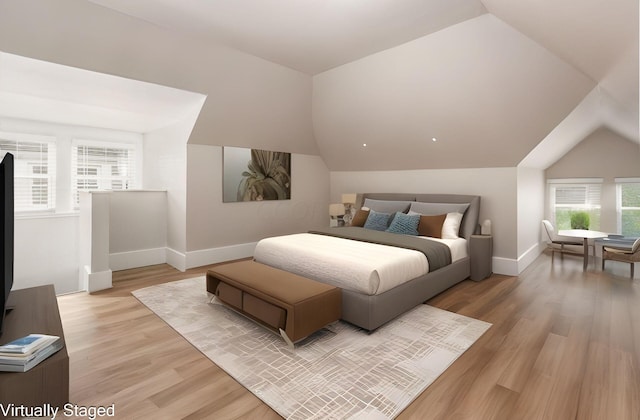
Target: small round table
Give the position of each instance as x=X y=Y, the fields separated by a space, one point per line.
x=585 y=235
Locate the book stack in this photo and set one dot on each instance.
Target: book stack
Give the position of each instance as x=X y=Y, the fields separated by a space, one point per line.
x=24 y=353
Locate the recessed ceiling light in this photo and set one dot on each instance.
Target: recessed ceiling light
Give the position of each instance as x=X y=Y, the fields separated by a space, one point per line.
x=434 y=139
x=364 y=144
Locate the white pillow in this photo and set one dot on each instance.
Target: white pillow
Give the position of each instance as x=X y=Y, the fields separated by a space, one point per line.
x=451 y=226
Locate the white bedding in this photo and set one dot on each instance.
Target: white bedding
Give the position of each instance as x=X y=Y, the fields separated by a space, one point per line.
x=353 y=265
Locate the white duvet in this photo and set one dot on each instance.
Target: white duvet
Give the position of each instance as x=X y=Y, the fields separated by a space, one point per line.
x=353 y=265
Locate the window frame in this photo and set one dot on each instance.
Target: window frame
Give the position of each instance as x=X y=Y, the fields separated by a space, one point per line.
x=135 y=164
x=50 y=177
x=589 y=183
x=619 y=208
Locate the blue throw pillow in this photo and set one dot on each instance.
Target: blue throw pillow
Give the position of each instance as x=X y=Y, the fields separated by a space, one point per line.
x=405 y=224
x=377 y=221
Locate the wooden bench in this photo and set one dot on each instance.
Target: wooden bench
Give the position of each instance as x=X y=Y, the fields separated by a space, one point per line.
x=288 y=304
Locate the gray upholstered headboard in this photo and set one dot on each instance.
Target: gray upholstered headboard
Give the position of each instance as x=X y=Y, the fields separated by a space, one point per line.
x=469 y=224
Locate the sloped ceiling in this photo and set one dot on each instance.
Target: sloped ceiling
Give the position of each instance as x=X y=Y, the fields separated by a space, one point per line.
x=486 y=93
x=39 y=90
x=598 y=38
x=494 y=81
x=306 y=35
x=490 y=80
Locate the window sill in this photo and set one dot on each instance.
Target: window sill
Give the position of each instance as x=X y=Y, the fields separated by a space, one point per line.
x=45 y=215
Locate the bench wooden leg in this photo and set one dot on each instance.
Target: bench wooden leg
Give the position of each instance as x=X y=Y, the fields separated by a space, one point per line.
x=286 y=338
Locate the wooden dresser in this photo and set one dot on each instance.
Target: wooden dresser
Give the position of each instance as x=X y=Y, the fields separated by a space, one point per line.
x=35 y=311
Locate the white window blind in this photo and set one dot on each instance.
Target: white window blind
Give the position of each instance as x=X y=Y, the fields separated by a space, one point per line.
x=34 y=171
x=102 y=166
x=628 y=206
x=585 y=196
x=570 y=196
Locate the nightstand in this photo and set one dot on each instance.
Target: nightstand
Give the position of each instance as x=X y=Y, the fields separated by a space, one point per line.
x=480 y=253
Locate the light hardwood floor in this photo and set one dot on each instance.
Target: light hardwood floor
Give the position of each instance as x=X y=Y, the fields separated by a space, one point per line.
x=565 y=344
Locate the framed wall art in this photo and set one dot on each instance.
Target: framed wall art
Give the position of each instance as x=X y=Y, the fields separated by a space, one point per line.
x=255 y=175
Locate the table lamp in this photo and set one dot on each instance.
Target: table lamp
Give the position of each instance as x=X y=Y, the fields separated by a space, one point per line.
x=336 y=211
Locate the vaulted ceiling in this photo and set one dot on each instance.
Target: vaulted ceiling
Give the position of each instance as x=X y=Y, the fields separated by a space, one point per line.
x=492 y=78
x=44 y=91
x=496 y=82
x=309 y=36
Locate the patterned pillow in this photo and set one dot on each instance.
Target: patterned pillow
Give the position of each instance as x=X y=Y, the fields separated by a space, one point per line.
x=377 y=221
x=405 y=224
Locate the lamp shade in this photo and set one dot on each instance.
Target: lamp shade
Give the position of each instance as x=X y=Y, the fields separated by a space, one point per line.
x=349 y=198
x=485 y=229
x=336 y=209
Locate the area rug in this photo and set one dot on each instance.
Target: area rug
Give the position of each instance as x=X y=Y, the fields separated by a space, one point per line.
x=337 y=373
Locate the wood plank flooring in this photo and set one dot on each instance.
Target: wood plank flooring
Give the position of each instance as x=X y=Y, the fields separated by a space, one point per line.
x=565 y=344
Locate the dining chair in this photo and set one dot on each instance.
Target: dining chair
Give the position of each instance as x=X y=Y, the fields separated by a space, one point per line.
x=628 y=255
x=560 y=243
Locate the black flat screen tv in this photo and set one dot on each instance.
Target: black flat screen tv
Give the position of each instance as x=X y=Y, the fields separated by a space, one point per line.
x=6 y=233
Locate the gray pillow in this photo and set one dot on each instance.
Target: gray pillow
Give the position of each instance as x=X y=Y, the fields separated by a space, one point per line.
x=434 y=209
x=377 y=221
x=386 y=206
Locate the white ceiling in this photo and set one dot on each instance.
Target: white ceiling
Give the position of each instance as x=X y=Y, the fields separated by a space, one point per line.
x=591 y=43
x=313 y=36
x=44 y=91
x=599 y=39
x=307 y=35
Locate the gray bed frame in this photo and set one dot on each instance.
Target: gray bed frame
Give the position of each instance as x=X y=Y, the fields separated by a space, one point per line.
x=372 y=311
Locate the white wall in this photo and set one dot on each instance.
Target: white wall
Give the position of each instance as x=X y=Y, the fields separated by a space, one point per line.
x=531 y=198
x=496 y=186
x=46 y=245
x=48 y=248
x=217 y=230
x=95 y=215
x=234 y=158
x=602 y=154
x=137 y=229
x=46 y=252
x=165 y=168
x=138 y=220
x=119 y=230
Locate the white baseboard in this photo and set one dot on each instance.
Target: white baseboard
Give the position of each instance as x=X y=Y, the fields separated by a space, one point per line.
x=179 y=260
x=512 y=267
x=140 y=258
x=176 y=259
x=221 y=254
x=506 y=266
x=529 y=256
x=184 y=261
x=92 y=282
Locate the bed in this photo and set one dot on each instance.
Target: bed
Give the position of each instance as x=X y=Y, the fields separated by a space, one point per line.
x=381 y=275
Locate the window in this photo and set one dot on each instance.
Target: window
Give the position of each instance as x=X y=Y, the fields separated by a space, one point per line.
x=628 y=206
x=102 y=166
x=568 y=196
x=34 y=166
